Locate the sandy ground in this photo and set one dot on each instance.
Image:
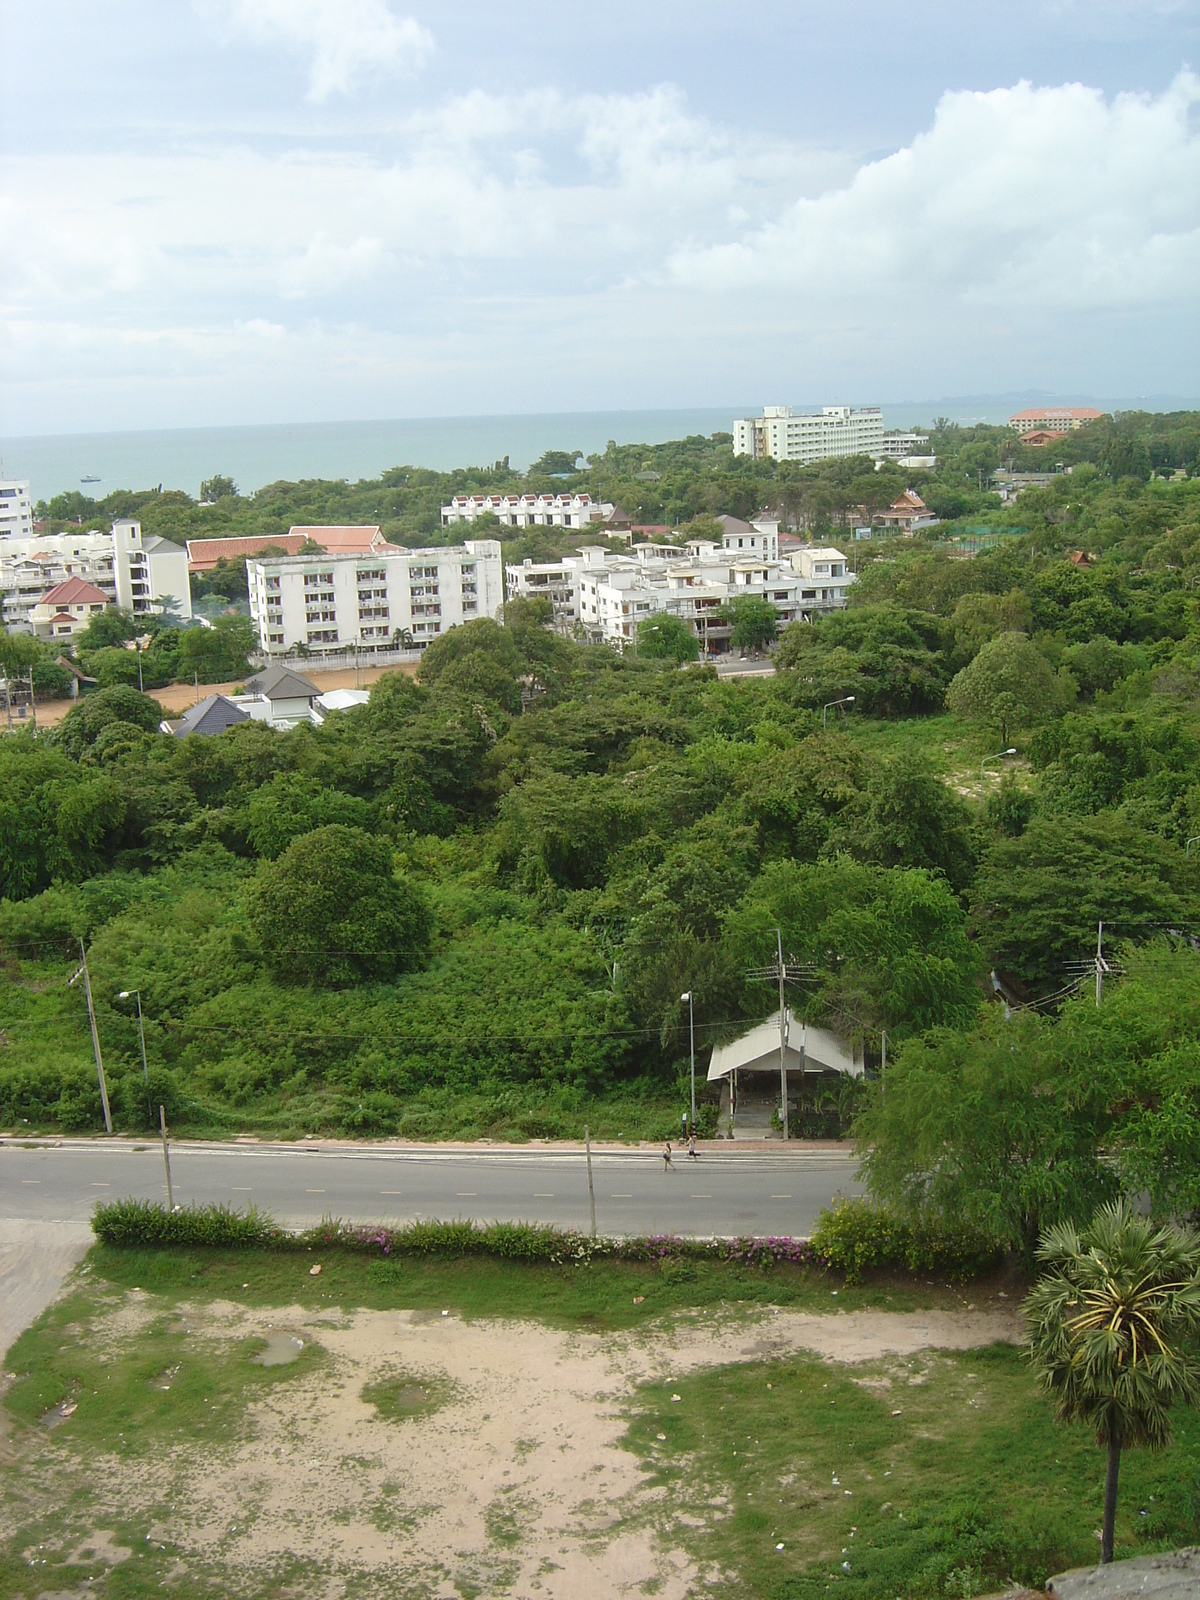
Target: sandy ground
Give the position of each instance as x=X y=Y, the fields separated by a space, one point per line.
x=35 y=1259
x=518 y=1482
x=177 y=697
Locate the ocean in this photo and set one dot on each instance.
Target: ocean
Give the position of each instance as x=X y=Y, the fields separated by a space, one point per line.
x=179 y=458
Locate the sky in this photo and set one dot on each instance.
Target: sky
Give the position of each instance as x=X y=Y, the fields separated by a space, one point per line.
x=216 y=212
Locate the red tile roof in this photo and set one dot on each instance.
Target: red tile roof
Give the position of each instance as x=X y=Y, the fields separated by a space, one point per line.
x=203 y=554
x=74 y=592
x=1035 y=413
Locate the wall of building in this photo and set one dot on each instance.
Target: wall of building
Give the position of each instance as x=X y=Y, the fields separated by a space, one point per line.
x=336 y=602
x=784 y=435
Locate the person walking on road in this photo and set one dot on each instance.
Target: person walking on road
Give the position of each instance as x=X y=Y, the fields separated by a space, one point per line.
x=692 y=1156
x=668 y=1164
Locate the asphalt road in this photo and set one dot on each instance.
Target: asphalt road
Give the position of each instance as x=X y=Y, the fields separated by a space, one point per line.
x=770 y=1190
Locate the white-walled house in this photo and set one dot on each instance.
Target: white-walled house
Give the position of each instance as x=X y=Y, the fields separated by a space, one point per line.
x=66 y=609
x=133 y=571
x=528 y=510
x=339 y=602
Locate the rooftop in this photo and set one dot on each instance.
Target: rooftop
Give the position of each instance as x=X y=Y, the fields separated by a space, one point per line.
x=74 y=592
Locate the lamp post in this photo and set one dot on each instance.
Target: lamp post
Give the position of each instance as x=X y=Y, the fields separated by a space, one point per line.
x=999 y=756
x=1195 y=839
x=692 y=1040
x=126 y=994
x=846 y=700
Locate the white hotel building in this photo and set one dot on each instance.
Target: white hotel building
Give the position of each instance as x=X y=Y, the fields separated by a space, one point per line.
x=785 y=435
x=340 y=602
x=527 y=510
x=16 y=508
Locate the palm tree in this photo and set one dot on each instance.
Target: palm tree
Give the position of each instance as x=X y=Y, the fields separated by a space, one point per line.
x=1112 y=1326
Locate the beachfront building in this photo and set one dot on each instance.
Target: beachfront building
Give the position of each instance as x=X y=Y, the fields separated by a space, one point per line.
x=782 y=434
x=1053 y=420
x=901 y=447
x=564 y=510
x=16 y=508
x=368 y=601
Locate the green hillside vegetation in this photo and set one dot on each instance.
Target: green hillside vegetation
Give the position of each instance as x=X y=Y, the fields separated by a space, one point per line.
x=438 y=915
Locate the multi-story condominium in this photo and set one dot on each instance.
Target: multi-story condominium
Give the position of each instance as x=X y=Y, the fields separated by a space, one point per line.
x=367 y=601
x=1053 y=419
x=16 y=508
x=785 y=435
x=605 y=596
x=898 y=446
x=528 y=510
x=135 y=572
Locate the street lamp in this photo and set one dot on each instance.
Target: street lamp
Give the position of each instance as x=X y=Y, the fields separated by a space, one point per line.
x=1195 y=839
x=999 y=756
x=846 y=700
x=692 y=1037
x=127 y=994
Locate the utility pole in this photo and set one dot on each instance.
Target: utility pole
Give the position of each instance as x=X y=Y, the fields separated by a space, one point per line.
x=124 y=995
x=162 y=1123
x=587 y=1145
x=1101 y=965
x=883 y=1069
x=91 y=1011
x=692 y=1039
x=783 y=1115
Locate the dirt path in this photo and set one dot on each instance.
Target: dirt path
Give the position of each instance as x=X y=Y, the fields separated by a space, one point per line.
x=517 y=1482
x=179 y=696
x=35 y=1259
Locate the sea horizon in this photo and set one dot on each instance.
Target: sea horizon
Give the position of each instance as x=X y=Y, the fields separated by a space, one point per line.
x=256 y=454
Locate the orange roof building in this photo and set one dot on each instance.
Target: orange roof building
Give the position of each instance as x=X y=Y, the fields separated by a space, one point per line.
x=66 y=610
x=204 y=554
x=1055 y=420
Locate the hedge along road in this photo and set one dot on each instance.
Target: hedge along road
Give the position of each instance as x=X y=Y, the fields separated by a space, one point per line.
x=768 y=1190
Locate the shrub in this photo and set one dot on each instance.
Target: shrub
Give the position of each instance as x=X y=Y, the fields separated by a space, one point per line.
x=856 y=1234
x=131 y=1223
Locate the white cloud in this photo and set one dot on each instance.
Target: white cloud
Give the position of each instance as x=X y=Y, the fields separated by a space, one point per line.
x=346 y=40
x=1049 y=198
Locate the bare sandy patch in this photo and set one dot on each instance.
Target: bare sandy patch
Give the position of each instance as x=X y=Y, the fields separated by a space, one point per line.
x=516 y=1482
x=35 y=1260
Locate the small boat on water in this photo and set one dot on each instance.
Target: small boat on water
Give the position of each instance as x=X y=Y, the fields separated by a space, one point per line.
x=91 y=478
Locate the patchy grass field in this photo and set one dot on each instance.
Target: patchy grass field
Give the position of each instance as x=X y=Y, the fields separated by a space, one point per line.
x=461 y=1428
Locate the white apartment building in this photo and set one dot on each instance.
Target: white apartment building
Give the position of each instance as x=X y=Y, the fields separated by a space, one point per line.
x=132 y=571
x=528 y=510
x=896 y=446
x=606 y=596
x=338 y=602
x=785 y=435
x=16 y=508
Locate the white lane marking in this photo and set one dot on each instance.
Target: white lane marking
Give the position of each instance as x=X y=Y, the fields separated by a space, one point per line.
x=538 y=1196
x=781 y=1197
x=240 y=1188
x=702 y=1197
x=100 y=1185
x=621 y=1197
x=31 y=1180
x=314 y=1191
x=466 y=1194
x=390 y=1191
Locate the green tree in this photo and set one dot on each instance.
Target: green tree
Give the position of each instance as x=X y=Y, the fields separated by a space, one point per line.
x=555 y=463
x=664 y=637
x=1038 y=898
x=332 y=910
x=987 y=1127
x=218 y=488
x=19 y=651
x=109 y=627
x=888 y=946
x=1112 y=1332
x=1010 y=685
x=755 y=622
x=85 y=722
x=217 y=654
x=916 y=820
